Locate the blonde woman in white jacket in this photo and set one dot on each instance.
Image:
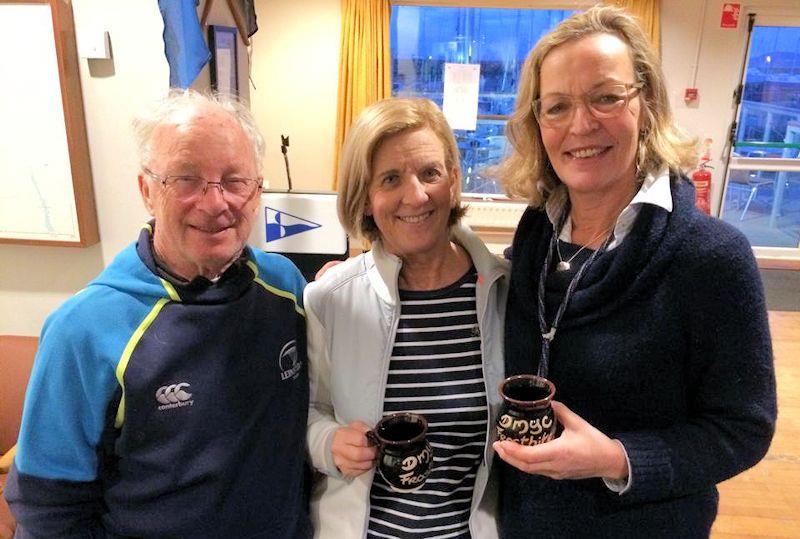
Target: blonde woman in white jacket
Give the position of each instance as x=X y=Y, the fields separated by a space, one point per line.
x=413 y=325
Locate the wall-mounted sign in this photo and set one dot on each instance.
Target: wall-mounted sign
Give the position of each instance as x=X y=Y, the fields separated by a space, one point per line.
x=730 y=15
x=460 y=100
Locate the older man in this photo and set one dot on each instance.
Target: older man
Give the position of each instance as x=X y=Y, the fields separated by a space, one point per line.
x=169 y=397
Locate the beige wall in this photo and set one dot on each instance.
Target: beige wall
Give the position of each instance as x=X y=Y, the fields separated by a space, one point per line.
x=295 y=59
x=295 y=71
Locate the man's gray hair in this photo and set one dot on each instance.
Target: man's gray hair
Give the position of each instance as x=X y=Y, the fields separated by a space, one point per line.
x=179 y=102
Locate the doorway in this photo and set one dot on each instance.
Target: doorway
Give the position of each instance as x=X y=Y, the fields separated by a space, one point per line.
x=762 y=187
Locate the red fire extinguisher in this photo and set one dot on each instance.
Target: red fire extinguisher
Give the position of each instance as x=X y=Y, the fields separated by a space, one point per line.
x=702 y=179
x=702 y=185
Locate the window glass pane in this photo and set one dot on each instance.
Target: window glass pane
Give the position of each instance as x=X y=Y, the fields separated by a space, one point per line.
x=765 y=204
x=423 y=39
x=480 y=148
x=771 y=100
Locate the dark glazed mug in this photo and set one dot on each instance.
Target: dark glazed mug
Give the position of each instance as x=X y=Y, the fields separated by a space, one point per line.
x=527 y=416
x=405 y=458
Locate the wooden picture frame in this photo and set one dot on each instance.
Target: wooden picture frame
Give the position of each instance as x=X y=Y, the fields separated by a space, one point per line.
x=48 y=197
x=224 y=65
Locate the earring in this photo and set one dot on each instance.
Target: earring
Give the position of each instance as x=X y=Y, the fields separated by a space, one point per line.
x=641 y=156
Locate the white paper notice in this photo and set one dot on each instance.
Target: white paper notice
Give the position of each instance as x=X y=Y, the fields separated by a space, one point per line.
x=460 y=105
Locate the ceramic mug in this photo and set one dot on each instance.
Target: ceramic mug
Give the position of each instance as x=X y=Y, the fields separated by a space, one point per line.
x=405 y=457
x=526 y=416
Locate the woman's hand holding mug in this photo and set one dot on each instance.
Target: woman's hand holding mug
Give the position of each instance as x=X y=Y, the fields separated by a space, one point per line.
x=352 y=452
x=580 y=452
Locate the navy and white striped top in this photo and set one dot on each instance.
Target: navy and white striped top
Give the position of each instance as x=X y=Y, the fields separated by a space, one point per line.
x=436 y=370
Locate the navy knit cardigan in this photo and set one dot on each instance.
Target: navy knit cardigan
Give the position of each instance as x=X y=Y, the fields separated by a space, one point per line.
x=665 y=346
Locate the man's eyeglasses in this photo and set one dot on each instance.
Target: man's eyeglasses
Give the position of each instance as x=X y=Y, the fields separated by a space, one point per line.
x=606 y=101
x=233 y=189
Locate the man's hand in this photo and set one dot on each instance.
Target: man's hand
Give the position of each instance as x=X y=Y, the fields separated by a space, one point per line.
x=580 y=452
x=325 y=267
x=352 y=453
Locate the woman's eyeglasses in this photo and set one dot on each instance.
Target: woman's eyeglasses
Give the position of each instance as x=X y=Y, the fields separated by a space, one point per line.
x=606 y=101
x=234 y=189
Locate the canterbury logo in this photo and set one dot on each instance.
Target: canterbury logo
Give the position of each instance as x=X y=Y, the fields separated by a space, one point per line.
x=174 y=396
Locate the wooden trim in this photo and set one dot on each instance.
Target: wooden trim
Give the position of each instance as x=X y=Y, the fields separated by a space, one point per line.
x=778 y=263
x=240 y=22
x=75 y=126
x=238 y=17
x=495 y=235
x=206 y=11
x=494 y=116
x=75 y=120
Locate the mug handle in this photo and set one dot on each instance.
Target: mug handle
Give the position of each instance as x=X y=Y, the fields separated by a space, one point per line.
x=372 y=439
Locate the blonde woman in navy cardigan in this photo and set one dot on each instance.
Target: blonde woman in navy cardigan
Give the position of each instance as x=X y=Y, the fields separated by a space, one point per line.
x=647 y=315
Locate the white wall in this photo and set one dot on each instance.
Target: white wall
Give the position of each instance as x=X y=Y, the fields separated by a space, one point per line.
x=722 y=52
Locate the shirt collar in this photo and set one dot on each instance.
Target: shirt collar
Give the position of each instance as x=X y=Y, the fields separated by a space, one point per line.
x=655 y=190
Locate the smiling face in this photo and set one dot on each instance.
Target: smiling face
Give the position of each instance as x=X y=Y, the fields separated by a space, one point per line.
x=200 y=236
x=411 y=192
x=590 y=155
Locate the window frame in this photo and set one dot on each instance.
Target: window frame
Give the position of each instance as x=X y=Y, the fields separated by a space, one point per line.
x=768 y=256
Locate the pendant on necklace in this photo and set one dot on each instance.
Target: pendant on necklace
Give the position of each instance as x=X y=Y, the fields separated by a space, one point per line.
x=562 y=266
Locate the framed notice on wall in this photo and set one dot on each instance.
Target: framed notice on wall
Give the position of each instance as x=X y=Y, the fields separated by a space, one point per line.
x=224 y=69
x=47 y=196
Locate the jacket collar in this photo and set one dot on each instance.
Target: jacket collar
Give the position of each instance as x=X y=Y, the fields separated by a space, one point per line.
x=231 y=283
x=383 y=268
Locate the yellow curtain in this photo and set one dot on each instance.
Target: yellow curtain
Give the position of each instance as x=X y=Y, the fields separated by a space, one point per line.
x=648 y=13
x=365 y=69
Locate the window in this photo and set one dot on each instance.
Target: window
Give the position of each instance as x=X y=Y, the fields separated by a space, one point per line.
x=423 y=39
x=762 y=192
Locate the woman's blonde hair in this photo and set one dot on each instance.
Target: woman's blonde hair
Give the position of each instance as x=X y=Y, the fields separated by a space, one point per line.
x=527 y=171
x=374 y=125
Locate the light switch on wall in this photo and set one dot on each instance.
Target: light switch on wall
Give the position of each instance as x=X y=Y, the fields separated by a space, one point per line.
x=93 y=43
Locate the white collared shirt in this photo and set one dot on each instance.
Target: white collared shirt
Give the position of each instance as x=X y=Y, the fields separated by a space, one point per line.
x=655 y=190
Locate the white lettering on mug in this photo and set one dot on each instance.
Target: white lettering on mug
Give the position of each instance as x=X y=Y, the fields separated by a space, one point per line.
x=524 y=431
x=410 y=478
x=520 y=426
x=409 y=463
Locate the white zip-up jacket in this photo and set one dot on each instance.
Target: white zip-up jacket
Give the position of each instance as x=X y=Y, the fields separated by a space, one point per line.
x=352 y=315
